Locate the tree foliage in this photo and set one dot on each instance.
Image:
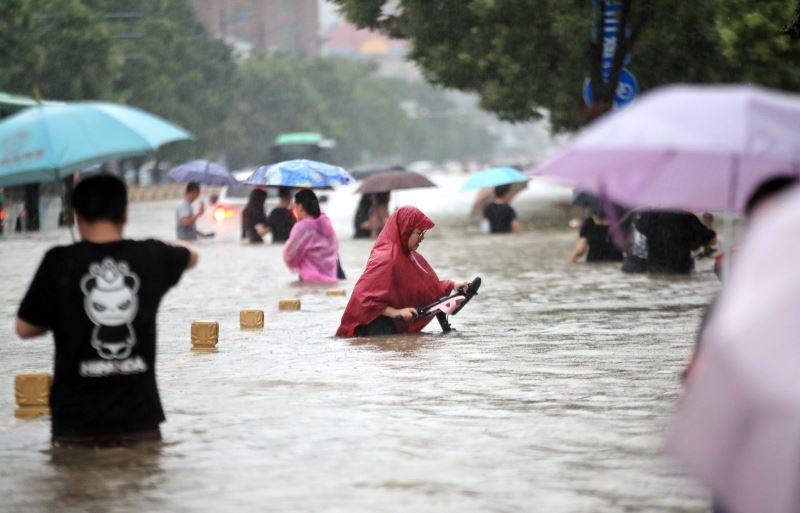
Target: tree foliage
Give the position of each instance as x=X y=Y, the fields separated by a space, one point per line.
x=171 y=67
x=55 y=48
x=522 y=56
x=754 y=45
x=348 y=102
x=792 y=29
x=153 y=54
x=148 y=53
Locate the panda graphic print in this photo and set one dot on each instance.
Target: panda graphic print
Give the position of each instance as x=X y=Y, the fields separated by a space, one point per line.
x=111 y=302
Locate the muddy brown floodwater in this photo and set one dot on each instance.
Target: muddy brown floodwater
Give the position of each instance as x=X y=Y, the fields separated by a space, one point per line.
x=553 y=395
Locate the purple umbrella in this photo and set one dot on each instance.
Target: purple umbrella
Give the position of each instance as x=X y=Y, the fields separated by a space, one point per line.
x=202 y=172
x=738 y=427
x=685 y=147
x=393 y=180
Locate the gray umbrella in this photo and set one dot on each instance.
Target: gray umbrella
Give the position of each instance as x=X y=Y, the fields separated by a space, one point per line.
x=393 y=180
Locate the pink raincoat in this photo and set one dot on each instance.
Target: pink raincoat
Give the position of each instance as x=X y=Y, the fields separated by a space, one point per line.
x=312 y=250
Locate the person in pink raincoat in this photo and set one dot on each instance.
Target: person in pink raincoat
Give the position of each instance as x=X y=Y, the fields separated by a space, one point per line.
x=312 y=248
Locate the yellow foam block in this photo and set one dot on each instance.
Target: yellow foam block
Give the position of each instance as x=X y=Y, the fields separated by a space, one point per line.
x=32 y=394
x=251 y=319
x=335 y=292
x=205 y=335
x=289 y=304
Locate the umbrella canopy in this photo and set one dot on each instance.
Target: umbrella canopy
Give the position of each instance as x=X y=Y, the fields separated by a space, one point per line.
x=393 y=180
x=43 y=142
x=202 y=172
x=738 y=426
x=595 y=203
x=685 y=147
x=16 y=102
x=587 y=200
x=494 y=177
x=13 y=102
x=366 y=170
x=300 y=173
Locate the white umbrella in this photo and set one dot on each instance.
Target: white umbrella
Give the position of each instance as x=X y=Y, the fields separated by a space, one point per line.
x=738 y=427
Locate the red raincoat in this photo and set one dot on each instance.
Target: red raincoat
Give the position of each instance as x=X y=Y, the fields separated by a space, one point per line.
x=394 y=277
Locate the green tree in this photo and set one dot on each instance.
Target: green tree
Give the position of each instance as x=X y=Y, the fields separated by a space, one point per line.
x=61 y=49
x=792 y=29
x=347 y=101
x=522 y=56
x=152 y=54
x=172 y=68
x=753 y=43
x=272 y=96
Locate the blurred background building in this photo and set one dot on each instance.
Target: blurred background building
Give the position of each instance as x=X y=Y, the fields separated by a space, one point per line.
x=246 y=25
x=341 y=39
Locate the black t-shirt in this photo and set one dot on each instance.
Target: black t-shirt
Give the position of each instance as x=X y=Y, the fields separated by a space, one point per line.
x=671 y=237
x=500 y=216
x=250 y=218
x=280 y=222
x=601 y=247
x=100 y=301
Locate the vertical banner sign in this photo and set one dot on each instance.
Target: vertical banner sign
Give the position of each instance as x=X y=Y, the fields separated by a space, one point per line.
x=611 y=29
x=628 y=88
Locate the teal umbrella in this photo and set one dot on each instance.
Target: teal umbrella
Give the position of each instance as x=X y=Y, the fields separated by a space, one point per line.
x=10 y=103
x=47 y=142
x=494 y=177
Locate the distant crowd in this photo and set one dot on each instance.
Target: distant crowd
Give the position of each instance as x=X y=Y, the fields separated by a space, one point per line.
x=100 y=296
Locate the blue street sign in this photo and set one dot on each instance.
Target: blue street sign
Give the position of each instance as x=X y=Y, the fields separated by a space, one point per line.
x=627 y=89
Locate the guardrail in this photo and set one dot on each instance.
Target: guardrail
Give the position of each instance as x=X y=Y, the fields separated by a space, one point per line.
x=162 y=192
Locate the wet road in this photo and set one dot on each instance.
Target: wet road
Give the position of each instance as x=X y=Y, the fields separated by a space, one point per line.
x=552 y=395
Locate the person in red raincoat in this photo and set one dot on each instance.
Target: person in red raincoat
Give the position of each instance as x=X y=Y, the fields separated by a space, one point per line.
x=396 y=281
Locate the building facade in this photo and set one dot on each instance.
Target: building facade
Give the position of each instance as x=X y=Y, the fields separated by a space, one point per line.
x=269 y=25
x=344 y=40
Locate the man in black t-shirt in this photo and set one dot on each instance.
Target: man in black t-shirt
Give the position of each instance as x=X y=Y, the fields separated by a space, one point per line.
x=499 y=214
x=281 y=220
x=100 y=298
x=594 y=240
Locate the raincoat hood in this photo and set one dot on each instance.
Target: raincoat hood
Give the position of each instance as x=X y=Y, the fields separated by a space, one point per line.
x=395 y=276
x=400 y=226
x=321 y=224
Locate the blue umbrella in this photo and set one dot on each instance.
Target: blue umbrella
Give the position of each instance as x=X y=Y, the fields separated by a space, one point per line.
x=52 y=141
x=202 y=172
x=300 y=173
x=494 y=177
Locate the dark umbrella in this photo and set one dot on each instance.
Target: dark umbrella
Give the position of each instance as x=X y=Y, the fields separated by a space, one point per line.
x=581 y=198
x=588 y=200
x=202 y=172
x=393 y=180
x=364 y=171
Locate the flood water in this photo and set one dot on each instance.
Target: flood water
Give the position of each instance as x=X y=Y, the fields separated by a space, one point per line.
x=553 y=395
